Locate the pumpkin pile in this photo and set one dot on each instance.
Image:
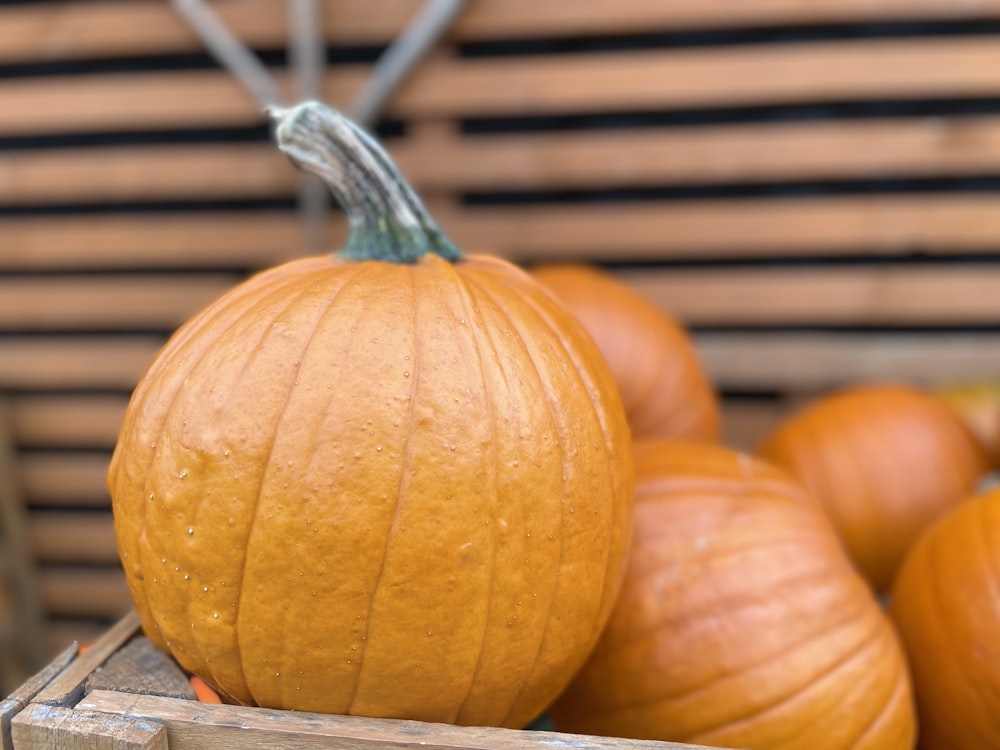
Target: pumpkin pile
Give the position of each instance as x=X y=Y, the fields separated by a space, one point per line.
x=404 y=481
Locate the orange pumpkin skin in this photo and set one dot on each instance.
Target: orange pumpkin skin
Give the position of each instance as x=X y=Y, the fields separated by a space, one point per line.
x=945 y=606
x=377 y=488
x=978 y=406
x=662 y=382
x=741 y=622
x=885 y=461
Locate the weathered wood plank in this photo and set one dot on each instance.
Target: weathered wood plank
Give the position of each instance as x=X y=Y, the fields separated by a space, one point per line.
x=191 y=724
x=17 y=701
x=447 y=86
x=925 y=147
x=72 y=30
x=73 y=538
x=646 y=230
x=879 y=295
x=108 y=303
x=65 y=479
x=67 y=687
x=164 y=240
x=76 y=362
x=42 y=727
x=813 y=361
x=141 y=667
x=75 y=421
x=85 y=593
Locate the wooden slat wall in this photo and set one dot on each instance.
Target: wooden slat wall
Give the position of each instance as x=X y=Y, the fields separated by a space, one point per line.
x=813 y=186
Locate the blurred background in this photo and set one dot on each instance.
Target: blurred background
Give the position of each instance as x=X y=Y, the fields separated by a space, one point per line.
x=811 y=186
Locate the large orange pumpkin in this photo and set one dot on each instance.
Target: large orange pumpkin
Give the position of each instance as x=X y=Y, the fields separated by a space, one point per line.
x=741 y=622
x=946 y=607
x=662 y=382
x=395 y=481
x=885 y=461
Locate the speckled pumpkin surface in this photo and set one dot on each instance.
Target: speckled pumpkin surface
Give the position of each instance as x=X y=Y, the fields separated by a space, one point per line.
x=378 y=488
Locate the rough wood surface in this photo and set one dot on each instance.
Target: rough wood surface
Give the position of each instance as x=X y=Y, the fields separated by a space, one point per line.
x=43 y=727
x=141 y=667
x=67 y=687
x=16 y=702
x=193 y=725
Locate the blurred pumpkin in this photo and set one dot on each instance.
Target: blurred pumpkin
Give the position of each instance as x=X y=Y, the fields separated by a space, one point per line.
x=741 y=622
x=395 y=481
x=946 y=608
x=662 y=383
x=885 y=461
x=978 y=406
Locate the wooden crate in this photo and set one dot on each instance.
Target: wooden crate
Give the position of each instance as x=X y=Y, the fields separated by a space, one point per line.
x=125 y=694
x=812 y=187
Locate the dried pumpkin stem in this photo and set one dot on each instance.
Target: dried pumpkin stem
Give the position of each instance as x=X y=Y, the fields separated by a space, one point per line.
x=388 y=221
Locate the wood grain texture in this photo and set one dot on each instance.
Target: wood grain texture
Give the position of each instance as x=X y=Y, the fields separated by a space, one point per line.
x=70 y=30
x=42 y=727
x=18 y=700
x=191 y=724
x=142 y=668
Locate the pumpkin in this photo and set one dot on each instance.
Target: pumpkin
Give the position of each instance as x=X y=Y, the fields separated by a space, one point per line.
x=977 y=404
x=394 y=481
x=663 y=385
x=945 y=606
x=885 y=461
x=741 y=622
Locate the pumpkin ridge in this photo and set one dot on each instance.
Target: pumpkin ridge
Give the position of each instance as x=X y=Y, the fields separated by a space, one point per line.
x=799 y=692
x=479 y=334
x=728 y=604
x=404 y=459
x=580 y=373
x=189 y=333
x=558 y=579
x=270 y=450
x=941 y=607
x=899 y=692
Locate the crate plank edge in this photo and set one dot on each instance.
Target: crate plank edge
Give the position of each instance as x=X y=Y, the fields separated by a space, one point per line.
x=59 y=707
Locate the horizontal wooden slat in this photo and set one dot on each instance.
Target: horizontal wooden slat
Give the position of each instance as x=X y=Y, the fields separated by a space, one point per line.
x=947 y=295
x=85 y=592
x=813 y=361
x=909 y=294
x=73 y=538
x=185 y=240
x=108 y=303
x=738 y=228
x=739 y=75
x=744 y=422
x=55 y=421
x=52 y=479
x=95 y=29
x=633 y=157
x=144 y=173
x=75 y=362
x=884 y=225
x=448 y=86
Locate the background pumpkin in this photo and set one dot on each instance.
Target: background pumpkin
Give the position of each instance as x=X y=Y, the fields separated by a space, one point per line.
x=885 y=461
x=741 y=622
x=385 y=488
x=662 y=383
x=978 y=406
x=947 y=611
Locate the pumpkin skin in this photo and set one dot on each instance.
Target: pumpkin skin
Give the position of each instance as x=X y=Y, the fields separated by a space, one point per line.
x=394 y=489
x=661 y=380
x=885 y=461
x=741 y=622
x=978 y=406
x=945 y=606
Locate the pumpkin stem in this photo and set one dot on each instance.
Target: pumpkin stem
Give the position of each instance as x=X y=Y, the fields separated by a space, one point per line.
x=388 y=222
